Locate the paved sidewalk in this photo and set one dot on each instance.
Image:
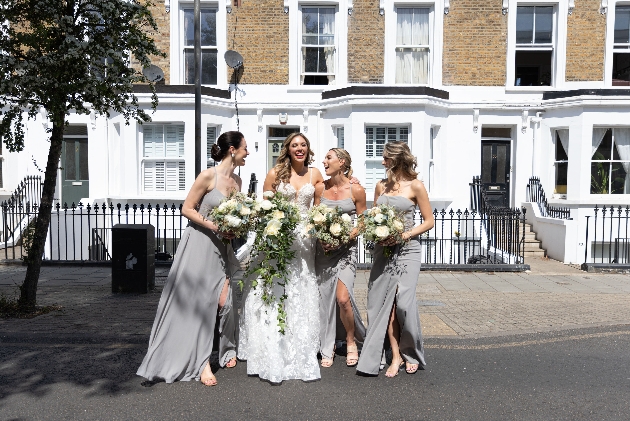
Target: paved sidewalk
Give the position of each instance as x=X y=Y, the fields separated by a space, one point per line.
x=455 y=304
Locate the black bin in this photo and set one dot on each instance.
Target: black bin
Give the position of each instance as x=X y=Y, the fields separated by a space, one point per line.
x=133 y=258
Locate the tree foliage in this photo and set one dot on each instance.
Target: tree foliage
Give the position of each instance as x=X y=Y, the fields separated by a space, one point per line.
x=68 y=56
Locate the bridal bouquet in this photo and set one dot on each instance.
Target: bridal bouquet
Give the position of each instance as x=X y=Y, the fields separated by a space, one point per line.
x=236 y=214
x=276 y=221
x=381 y=222
x=329 y=225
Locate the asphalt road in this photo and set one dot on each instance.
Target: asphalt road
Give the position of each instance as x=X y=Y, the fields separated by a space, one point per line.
x=564 y=375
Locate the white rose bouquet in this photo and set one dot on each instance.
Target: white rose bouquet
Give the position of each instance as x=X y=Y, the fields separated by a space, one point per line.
x=380 y=223
x=329 y=225
x=236 y=214
x=276 y=221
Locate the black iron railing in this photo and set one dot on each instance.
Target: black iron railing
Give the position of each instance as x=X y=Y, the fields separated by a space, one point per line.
x=608 y=236
x=468 y=237
x=27 y=194
x=536 y=193
x=83 y=233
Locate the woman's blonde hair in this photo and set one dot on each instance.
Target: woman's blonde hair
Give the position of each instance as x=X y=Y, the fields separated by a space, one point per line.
x=402 y=162
x=343 y=154
x=283 y=163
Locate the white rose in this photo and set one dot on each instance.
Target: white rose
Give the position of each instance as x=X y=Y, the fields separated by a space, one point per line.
x=318 y=218
x=379 y=218
x=382 y=232
x=376 y=211
x=306 y=232
x=391 y=213
x=245 y=211
x=232 y=221
x=257 y=205
x=266 y=205
x=223 y=207
x=277 y=214
x=346 y=218
x=328 y=210
x=249 y=200
x=335 y=229
x=398 y=226
x=273 y=228
x=268 y=194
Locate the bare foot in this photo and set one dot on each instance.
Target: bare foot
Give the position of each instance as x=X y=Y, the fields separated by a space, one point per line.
x=327 y=362
x=394 y=367
x=207 y=377
x=231 y=363
x=411 y=368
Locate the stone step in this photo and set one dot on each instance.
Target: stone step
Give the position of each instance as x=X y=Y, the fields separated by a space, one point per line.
x=534 y=253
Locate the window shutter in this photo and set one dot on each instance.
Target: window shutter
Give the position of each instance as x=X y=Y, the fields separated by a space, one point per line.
x=182 y=175
x=174 y=141
x=340 y=138
x=374 y=172
x=159 y=176
x=172 y=176
x=149 y=147
x=211 y=139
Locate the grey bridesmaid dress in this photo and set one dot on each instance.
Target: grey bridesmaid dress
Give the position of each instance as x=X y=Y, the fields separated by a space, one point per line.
x=340 y=264
x=183 y=331
x=394 y=278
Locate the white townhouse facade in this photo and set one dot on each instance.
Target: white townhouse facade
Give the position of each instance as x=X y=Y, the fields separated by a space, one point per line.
x=502 y=89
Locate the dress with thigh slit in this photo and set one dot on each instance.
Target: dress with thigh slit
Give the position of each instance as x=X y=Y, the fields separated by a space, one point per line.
x=183 y=331
x=394 y=278
x=337 y=265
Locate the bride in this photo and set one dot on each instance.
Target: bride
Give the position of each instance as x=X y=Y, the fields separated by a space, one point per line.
x=270 y=354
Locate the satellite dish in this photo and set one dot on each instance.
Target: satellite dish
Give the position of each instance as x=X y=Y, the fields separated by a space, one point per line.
x=233 y=59
x=153 y=73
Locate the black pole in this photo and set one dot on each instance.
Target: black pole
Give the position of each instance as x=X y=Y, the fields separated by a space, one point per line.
x=197 y=88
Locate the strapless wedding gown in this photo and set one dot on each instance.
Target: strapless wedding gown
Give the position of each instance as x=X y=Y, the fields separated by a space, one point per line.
x=270 y=354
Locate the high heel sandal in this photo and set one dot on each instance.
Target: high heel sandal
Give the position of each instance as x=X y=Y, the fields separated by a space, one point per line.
x=397 y=370
x=352 y=361
x=327 y=362
x=411 y=368
x=231 y=363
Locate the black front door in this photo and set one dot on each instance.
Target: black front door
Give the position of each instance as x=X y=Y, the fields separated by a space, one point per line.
x=495 y=171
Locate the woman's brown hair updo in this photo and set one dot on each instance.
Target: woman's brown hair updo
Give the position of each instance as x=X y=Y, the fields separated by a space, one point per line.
x=222 y=146
x=343 y=154
x=283 y=163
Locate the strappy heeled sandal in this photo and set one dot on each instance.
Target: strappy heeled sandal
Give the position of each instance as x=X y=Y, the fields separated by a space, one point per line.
x=327 y=362
x=411 y=368
x=352 y=361
x=387 y=373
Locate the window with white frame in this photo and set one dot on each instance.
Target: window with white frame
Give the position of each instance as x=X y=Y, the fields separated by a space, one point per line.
x=621 y=47
x=340 y=137
x=561 y=161
x=610 y=161
x=375 y=139
x=163 y=165
x=208 y=20
x=211 y=139
x=412 y=45
x=535 y=38
x=318 y=46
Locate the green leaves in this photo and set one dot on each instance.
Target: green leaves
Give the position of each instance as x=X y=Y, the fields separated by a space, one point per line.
x=72 y=56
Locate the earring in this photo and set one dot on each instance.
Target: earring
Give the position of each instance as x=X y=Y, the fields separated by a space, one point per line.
x=232 y=155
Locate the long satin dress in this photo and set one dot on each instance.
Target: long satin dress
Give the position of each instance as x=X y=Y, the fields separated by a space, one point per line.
x=337 y=265
x=394 y=278
x=183 y=331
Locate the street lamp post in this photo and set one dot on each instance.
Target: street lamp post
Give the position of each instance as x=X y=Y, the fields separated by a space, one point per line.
x=197 y=88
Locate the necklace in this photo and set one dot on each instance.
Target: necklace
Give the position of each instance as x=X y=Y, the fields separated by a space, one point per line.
x=335 y=189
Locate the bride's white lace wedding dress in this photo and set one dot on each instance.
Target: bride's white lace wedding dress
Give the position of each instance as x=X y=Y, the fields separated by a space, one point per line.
x=270 y=354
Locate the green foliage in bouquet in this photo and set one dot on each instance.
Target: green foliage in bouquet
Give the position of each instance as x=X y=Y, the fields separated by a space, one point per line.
x=329 y=225
x=277 y=218
x=380 y=223
x=236 y=214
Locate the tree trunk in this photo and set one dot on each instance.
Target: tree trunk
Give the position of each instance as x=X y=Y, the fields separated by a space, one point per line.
x=28 y=290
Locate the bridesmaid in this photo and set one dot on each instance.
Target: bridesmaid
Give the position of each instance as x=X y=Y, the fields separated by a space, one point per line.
x=392 y=306
x=336 y=268
x=198 y=286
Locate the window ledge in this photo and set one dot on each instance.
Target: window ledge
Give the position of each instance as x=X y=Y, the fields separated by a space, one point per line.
x=308 y=88
x=533 y=89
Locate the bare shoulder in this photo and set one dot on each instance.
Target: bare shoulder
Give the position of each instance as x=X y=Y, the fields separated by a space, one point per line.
x=317 y=175
x=418 y=188
x=357 y=189
x=206 y=175
x=380 y=186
